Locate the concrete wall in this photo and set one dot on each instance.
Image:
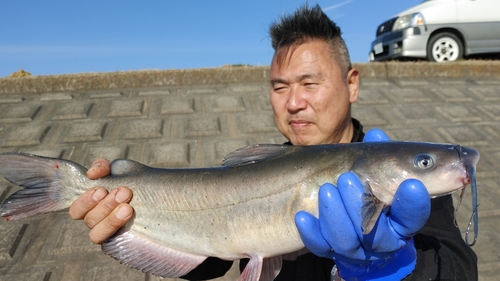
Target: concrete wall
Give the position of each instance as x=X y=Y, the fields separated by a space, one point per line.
x=225 y=75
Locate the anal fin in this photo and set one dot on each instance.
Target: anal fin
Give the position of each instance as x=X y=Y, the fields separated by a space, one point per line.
x=140 y=253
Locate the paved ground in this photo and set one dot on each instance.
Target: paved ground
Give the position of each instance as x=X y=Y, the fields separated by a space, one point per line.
x=194 y=123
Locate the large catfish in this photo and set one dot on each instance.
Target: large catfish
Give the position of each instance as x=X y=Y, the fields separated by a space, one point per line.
x=243 y=209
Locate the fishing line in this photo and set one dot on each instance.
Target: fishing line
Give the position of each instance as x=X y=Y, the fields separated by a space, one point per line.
x=474 y=218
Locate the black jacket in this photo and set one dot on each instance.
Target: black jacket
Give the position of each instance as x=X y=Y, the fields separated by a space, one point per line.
x=442 y=254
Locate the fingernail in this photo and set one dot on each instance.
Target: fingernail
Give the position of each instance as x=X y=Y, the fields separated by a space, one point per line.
x=122 y=213
x=99 y=194
x=121 y=196
x=95 y=165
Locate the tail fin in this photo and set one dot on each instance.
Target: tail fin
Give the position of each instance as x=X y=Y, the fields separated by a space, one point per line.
x=50 y=184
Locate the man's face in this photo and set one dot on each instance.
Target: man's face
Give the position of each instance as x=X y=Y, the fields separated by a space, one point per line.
x=310 y=97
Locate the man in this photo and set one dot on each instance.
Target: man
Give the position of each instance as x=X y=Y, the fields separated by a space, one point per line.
x=312 y=88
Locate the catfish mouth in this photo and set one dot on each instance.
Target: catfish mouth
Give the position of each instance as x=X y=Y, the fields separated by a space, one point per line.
x=469 y=158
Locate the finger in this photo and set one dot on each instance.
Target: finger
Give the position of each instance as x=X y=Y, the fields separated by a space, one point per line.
x=107 y=205
x=310 y=233
x=110 y=224
x=410 y=208
x=99 y=168
x=352 y=191
x=335 y=223
x=375 y=135
x=86 y=202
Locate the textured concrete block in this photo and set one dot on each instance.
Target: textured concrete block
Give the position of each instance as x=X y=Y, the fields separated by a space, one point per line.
x=142 y=129
x=493 y=111
x=197 y=127
x=459 y=113
x=486 y=93
x=371 y=96
x=254 y=123
x=415 y=114
x=263 y=102
x=411 y=82
x=10 y=239
x=370 y=116
x=55 y=97
x=452 y=95
x=246 y=88
x=44 y=273
x=371 y=82
x=14 y=241
x=155 y=93
x=202 y=91
x=11 y=99
x=227 y=104
x=170 y=154
x=110 y=271
x=464 y=135
x=68 y=239
x=122 y=108
x=410 y=95
x=106 y=95
x=175 y=106
x=18 y=113
x=82 y=132
x=451 y=82
x=27 y=135
x=74 y=110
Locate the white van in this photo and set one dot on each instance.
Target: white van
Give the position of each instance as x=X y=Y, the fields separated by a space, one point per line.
x=440 y=30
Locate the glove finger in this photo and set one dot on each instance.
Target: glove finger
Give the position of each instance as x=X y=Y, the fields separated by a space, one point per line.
x=351 y=190
x=375 y=135
x=310 y=233
x=410 y=208
x=335 y=223
x=382 y=238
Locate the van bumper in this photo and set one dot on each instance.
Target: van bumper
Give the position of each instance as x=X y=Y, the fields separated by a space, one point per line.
x=410 y=42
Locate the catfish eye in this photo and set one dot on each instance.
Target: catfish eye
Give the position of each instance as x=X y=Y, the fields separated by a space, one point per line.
x=424 y=161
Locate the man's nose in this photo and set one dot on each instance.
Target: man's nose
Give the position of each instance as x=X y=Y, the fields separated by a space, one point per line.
x=296 y=101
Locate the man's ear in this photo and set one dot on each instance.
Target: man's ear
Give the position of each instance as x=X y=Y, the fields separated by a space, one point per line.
x=353 y=84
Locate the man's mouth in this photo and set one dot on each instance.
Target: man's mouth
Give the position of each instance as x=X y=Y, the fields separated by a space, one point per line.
x=298 y=123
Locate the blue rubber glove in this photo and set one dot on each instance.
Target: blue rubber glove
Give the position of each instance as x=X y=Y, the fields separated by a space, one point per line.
x=388 y=251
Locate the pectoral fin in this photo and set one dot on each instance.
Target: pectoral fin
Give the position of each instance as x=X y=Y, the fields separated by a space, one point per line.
x=371 y=210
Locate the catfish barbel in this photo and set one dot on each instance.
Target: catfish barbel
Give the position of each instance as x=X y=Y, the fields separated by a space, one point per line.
x=242 y=209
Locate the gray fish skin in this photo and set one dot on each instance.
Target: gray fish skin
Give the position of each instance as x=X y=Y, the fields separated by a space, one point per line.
x=244 y=209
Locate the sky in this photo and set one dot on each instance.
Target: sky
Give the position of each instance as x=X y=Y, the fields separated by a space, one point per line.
x=66 y=37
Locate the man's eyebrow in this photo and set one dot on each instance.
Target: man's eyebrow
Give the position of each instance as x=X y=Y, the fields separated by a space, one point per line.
x=309 y=75
x=277 y=81
x=301 y=77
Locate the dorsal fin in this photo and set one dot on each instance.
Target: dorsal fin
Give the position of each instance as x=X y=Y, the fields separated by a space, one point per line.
x=255 y=153
x=121 y=167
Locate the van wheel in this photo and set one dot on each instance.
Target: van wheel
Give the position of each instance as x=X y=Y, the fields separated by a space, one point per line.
x=444 y=47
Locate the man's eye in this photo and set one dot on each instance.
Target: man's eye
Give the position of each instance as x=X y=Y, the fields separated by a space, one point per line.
x=310 y=85
x=279 y=88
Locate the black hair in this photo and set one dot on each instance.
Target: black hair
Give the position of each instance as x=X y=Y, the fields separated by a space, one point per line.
x=307 y=24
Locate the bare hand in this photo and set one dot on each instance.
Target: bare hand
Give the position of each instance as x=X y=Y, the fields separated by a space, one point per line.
x=104 y=213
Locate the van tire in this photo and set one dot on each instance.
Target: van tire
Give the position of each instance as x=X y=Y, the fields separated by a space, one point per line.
x=444 y=47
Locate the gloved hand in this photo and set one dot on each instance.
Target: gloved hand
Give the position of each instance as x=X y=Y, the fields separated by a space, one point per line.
x=388 y=251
